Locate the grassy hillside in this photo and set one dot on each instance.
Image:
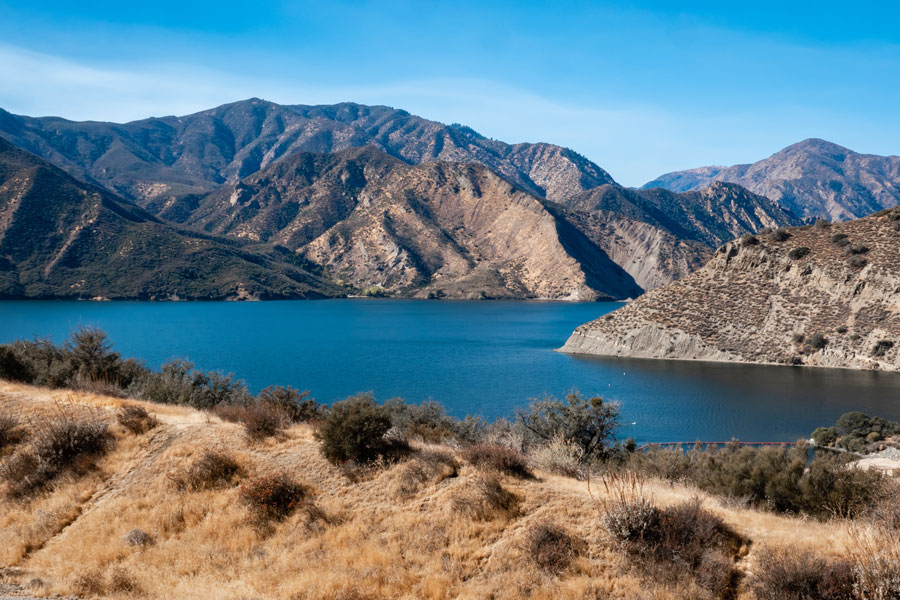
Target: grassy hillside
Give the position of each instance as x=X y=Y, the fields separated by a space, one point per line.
x=137 y=521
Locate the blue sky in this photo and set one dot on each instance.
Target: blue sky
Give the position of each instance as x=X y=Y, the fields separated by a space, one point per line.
x=641 y=88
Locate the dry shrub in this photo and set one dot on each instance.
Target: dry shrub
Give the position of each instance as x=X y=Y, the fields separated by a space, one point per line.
x=559 y=456
x=875 y=553
x=260 y=419
x=801 y=576
x=687 y=536
x=628 y=514
x=60 y=443
x=213 y=470
x=551 y=547
x=122 y=582
x=136 y=419
x=274 y=497
x=11 y=431
x=298 y=406
x=426 y=467
x=487 y=500
x=89 y=583
x=501 y=459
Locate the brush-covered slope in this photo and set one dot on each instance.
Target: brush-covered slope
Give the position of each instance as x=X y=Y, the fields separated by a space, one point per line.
x=813 y=178
x=436 y=229
x=173 y=156
x=825 y=295
x=659 y=236
x=402 y=532
x=62 y=238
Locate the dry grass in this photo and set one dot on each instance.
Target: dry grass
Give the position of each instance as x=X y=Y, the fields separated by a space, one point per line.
x=373 y=542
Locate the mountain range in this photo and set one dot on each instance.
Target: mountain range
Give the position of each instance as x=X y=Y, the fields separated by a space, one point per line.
x=813 y=178
x=370 y=199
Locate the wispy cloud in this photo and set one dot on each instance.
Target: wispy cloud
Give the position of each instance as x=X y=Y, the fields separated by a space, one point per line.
x=634 y=143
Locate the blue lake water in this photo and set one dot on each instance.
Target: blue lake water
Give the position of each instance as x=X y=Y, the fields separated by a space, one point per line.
x=486 y=358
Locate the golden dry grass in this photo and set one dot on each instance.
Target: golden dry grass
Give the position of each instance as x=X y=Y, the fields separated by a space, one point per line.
x=366 y=541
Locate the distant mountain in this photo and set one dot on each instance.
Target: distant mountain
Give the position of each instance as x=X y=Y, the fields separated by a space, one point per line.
x=659 y=236
x=169 y=157
x=63 y=238
x=824 y=295
x=435 y=229
x=813 y=178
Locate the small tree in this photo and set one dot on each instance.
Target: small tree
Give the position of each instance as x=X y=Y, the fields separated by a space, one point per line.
x=589 y=424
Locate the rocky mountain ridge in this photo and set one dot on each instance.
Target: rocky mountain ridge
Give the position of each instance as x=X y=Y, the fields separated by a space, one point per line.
x=60 y=238
x=825 y=295
x=813 y=178
x=169 y=157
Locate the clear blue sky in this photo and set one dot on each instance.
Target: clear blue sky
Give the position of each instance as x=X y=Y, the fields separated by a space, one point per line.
x=641 y=88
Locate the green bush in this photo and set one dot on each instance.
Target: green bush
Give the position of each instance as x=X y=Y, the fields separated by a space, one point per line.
x=298 y=407
x=178 y=383
x=12 y=368
x=430 y=422
x=354 y=430
x=587 y=423
x=881 y=347
x=777 y=479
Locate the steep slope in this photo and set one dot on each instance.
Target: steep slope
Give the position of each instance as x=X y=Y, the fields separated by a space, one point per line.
x=659 y=236
x=62 y=238
x=174 y=156
x=827 y=296
x=435 y=229
x=813 y=178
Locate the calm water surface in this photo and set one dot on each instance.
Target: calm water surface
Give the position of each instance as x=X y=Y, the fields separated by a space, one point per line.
x=486 y=358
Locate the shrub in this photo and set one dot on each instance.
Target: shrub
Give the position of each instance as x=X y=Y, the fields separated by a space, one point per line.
x=297 y=406
x=487 y=501
x=798 y=253
x=260 y=420
x=589 y=424
x=214 y=470
x=770 y=477
x=550 y=547
x=12 y=368
x=559 y=456
x=821 y=224
x=502 y=459
x=430 y=422
x=178 y=383
x=355 y=430
x=876 y=563
x=857 y=262
x=273 y=497
x=856 y=249
x=881 y=347
x=60 y=443
x=749 y=240
x=136 y=537
x=779 y=235
x=425 y=467
x=11 y=432
x=801 y=576
x=840 y=239
x=824 y=436
x=817 y=341
x=136 y=419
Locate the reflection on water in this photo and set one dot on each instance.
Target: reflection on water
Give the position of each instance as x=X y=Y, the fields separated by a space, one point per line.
x=485 y=358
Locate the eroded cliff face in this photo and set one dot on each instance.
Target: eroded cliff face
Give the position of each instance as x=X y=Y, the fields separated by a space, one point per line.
x=431 y=230
x=826 y=295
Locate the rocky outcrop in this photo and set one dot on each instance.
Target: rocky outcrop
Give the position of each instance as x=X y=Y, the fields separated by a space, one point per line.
x=813 y=178
x=824 y=295
x=432 y=230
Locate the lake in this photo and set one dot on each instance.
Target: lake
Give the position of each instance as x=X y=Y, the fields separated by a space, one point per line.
x=487 y=358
